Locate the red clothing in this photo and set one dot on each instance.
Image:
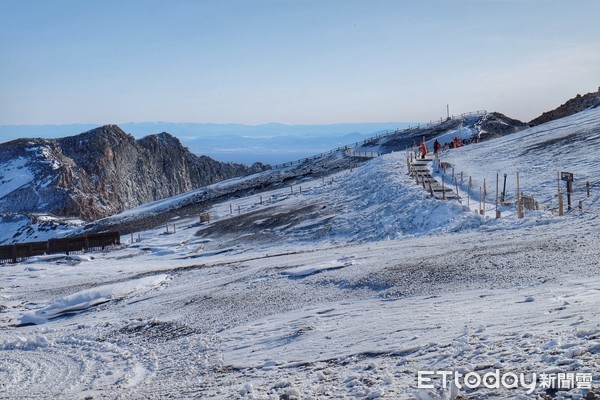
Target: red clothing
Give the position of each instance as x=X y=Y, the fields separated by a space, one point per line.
x=423 y=147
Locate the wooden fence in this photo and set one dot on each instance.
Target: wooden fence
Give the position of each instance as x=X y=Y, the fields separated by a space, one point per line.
x=94 y=241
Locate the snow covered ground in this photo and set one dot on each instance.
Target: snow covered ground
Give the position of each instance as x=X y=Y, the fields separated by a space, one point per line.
x=343 y=289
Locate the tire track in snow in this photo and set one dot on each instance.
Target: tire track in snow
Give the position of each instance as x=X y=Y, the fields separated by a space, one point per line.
x=36 y=367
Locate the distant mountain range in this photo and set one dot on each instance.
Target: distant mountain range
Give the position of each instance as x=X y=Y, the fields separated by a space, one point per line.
x=266 y=143
x=106 y=170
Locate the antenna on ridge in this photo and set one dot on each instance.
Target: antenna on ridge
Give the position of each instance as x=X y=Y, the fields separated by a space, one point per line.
x=448 y=112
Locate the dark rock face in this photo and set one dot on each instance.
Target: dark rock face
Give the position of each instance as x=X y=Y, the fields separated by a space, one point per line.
x=573 y=106
x=101 y=172
x=496 y=125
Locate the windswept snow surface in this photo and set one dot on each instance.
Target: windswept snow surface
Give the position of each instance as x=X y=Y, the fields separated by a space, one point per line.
x=14 y=175
x=344 y=289
x=16 y=228
x=85 y=299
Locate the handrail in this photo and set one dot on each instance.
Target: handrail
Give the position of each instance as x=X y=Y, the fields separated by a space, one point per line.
x=368 y=140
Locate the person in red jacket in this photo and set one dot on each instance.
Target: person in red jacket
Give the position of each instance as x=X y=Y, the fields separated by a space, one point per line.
x=423 y=147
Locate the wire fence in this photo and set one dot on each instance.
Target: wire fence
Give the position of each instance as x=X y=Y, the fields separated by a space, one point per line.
x=364 y=154
x=551 y=194
x=377 y=137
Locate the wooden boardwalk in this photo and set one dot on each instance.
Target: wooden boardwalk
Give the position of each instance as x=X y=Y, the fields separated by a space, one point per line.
x=420 y=170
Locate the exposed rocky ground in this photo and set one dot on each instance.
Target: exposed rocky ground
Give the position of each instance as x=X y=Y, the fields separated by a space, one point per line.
x=497 y=125
x=572 y=106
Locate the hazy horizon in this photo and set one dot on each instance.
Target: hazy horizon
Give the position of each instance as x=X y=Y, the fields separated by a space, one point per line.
x=292 y=62
x=267 y=143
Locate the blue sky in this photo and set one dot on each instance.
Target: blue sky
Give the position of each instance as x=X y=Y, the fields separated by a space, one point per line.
x=291 y=61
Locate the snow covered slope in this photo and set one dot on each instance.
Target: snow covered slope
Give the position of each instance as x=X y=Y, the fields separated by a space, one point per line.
x=342 y=289
x=567 y=145
x=478 y=124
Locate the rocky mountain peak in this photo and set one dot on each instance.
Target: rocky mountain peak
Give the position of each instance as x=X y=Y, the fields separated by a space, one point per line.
x=572 y=106
x=161 y=140
x=103 y=171
x=107 y=132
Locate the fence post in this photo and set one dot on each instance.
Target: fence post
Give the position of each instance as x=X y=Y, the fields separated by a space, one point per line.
x=502 y=199
x=519 y=208
x=457 y=195
x=481 y=212
x=469 y=190
x=497 y=187
x=484 y=190
x=443 y=188
x=587 y=187
x=14 y=253
x=561 y=210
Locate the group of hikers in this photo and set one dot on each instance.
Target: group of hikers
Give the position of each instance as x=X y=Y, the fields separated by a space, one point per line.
x=437 y=146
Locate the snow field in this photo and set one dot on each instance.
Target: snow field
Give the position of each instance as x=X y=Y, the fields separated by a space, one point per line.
x=345 y=290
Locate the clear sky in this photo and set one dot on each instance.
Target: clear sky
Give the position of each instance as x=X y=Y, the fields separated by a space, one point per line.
x=291 y=61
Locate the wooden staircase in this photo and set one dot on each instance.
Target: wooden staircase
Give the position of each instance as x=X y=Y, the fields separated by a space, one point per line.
x=419 y=168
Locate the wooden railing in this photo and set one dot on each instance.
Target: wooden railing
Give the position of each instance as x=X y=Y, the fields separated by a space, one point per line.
x=94 y=241
x=376 y=137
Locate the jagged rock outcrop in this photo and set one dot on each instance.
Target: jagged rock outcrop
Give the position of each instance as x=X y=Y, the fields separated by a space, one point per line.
x=496 y=124
x=572 y=106
x=101 y=172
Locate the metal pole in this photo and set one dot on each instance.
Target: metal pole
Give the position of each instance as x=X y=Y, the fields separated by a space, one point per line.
x=569 y=191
